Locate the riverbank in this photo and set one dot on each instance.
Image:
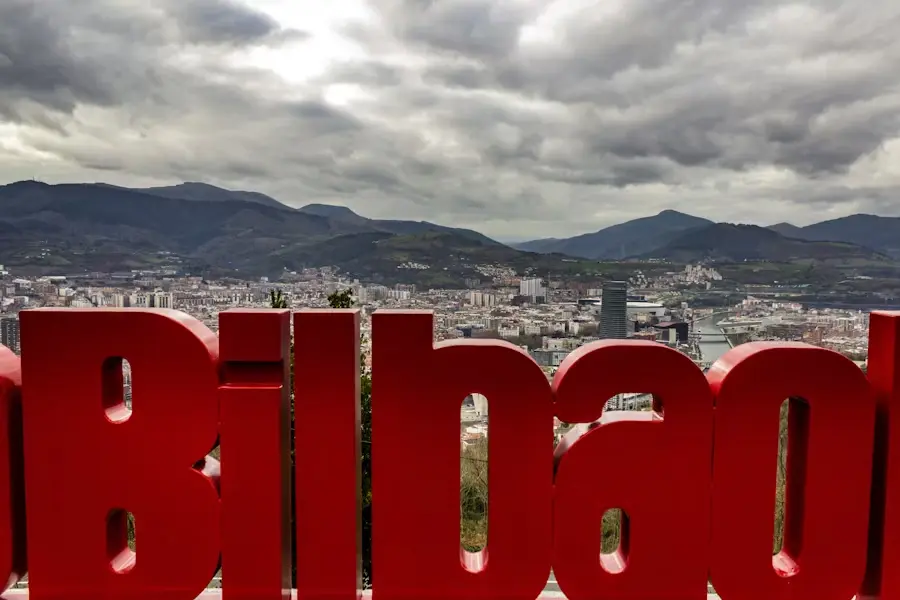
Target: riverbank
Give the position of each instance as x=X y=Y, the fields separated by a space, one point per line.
x=710 y=351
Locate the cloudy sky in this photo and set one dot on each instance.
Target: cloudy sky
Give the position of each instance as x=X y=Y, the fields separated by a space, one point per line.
x=520 y=118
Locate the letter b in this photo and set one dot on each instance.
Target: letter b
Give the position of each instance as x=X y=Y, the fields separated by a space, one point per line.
x=417 y=393
x=88 y=460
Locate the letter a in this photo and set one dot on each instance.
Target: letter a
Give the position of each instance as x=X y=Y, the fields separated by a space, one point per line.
x=655 y=466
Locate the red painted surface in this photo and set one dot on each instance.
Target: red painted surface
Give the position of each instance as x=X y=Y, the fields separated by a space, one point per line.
x=85 y=463
x=882 y=576
x=656 y=470
x=697 y=481
x=327 y=443
x=417 y=392
x=254 y=433
x=12 y=491
x=829 y=462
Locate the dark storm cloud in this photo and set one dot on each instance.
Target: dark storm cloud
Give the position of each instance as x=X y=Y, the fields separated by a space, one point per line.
x=163 y=117
x=480 y=28
x=221 y=21
x=60 y=54
x=693 y=81
x=473 y=111
x=37 y=61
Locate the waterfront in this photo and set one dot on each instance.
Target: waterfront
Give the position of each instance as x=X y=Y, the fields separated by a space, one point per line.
x=712 y=343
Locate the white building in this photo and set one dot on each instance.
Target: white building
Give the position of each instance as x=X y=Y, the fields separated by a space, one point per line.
x=482 y=299
x=532 y=288
x=634 y=309
x=481 y=406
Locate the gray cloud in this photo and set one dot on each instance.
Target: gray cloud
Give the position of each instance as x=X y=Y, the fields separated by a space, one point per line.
x=221 y=21
x=38 y=62
x=522 y=118
x=483 y=29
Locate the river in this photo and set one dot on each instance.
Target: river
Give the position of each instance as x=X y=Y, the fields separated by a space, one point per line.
x=715 y=345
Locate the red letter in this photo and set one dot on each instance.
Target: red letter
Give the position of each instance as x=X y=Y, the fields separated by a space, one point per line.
x=12 y=490
x=882 y=575
x=327 y=445
x=656 y=467
x=87 y=461
x=254 y=434
x=417 y=392
x=829 y=462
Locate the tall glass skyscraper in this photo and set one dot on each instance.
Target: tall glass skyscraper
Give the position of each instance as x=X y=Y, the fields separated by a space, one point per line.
x=614 y=311
x=9 y=333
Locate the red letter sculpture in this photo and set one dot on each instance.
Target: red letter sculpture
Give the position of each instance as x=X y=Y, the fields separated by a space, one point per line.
x=829 y=458
x=417 y=392
x=88 y=460
x=255 y=411
x=327 y=447
x=882 y=576
x=12 y=491
x=655 y=466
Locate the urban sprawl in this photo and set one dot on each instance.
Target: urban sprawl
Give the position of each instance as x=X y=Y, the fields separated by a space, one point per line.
x=545 y=317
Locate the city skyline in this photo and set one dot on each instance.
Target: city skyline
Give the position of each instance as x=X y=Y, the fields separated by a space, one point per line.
x=526 y=119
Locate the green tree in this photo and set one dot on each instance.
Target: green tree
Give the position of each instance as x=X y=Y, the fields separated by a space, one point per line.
x=473 y=497
x=342 y=299
x=277 y=300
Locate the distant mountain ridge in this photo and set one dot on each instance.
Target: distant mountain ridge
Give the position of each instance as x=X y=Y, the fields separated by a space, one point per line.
x=72 y=228
x=641 y=237
x=728 y=242
x=786 y=229
x=872 y=231
x=617 y=242
x=203 y=192
x=331 y=211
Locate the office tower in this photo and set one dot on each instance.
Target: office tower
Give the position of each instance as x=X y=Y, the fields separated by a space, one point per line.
x=614 y=311
x=9 y=333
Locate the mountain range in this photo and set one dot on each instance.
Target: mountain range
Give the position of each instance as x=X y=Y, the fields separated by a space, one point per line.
x=71 y=228
x=880 y=233
x=727 y=242
x=618 y=242
x=677 y=236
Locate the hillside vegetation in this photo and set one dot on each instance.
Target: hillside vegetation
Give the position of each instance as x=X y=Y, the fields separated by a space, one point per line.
x=200 y=229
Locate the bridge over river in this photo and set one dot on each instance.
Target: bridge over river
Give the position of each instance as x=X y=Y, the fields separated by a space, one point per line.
x=713 y=342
